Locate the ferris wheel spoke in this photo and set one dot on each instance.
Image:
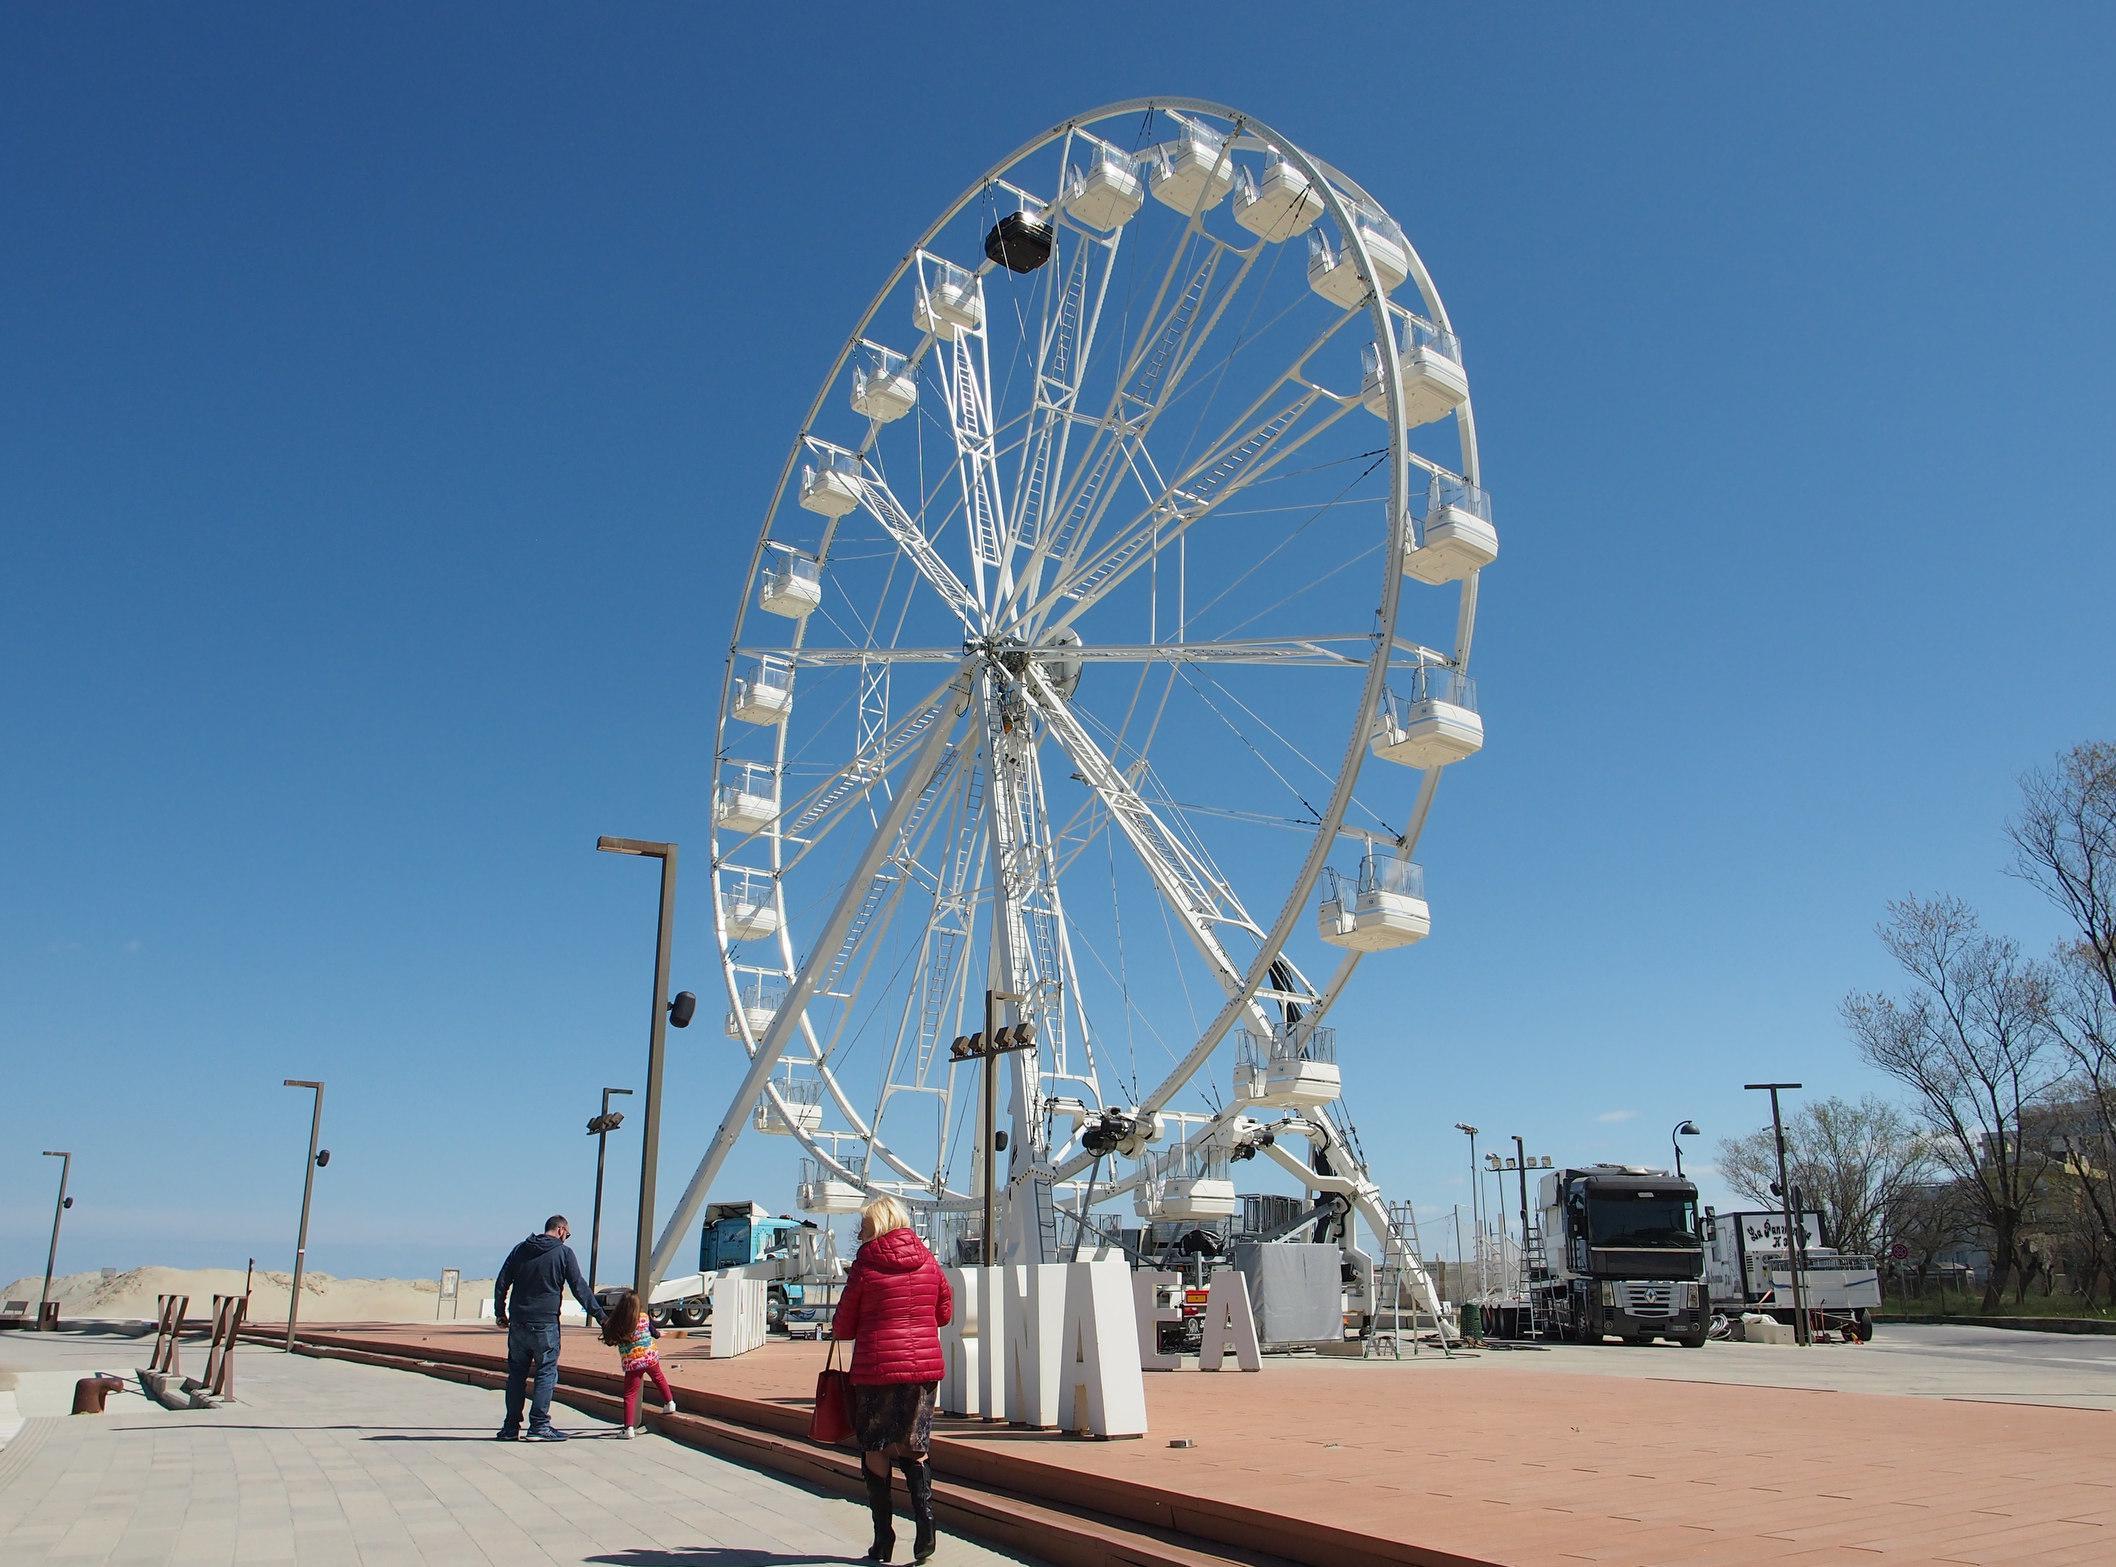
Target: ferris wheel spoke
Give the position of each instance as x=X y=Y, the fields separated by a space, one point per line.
x=1147 y=380
x=811 y=819
x=1197 y=894
x=968 y=397
x=801 y=987
x=881 y=504
x=1063 y=354
x=1354 y=652
x=857 y=657
x=1230 y=467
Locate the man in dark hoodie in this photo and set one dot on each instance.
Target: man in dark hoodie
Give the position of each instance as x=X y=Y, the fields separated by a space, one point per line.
x=538 y=1272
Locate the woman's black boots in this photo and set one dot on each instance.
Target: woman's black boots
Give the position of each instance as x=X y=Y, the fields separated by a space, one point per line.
x=918 y=1479
x=878 y=1507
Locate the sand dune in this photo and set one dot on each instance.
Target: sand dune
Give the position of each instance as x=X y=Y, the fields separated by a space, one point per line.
x=128 y=1296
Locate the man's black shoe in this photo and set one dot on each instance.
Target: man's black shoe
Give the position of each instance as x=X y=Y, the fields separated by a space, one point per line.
x=507 y=1434
x=546 y=1434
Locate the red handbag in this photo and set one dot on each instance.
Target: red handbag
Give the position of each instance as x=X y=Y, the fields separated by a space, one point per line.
x=832 y=1421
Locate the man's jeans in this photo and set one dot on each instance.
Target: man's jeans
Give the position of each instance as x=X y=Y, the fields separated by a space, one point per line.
x=532 y=1351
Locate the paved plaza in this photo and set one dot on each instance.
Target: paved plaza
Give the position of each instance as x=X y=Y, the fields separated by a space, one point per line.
x=327 y=1463
x=1954 y=1446
x=1943 y=1445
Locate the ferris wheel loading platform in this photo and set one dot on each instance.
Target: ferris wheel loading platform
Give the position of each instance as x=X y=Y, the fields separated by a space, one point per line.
x=1330 y=1463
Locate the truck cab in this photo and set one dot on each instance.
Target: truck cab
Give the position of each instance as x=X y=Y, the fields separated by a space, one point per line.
x=1624 y=1256
x=742 y=1234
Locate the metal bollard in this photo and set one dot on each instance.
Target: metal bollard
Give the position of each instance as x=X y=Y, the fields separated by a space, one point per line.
x=89 y=1393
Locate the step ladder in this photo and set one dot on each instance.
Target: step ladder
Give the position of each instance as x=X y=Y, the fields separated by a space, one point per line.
x=1400 y=1246
x=1534 y=1267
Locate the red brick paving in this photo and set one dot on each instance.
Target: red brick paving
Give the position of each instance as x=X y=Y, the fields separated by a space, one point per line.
x=1492 y=1463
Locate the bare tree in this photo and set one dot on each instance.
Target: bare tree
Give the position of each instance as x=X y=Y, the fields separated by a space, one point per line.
x=1972 y=1043
x=1927 y=1218
x=2064 y=843
x=1851 y=1159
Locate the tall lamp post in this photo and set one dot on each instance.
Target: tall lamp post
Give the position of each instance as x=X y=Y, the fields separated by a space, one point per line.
x=600 y=1128
x=664 y=1012
x=988 y=1047
x=1785 y=1198
x=317 y=1159
x=1476 y=1205
x=1499 y=1169
x=58 y=1212
x=1682 y=1129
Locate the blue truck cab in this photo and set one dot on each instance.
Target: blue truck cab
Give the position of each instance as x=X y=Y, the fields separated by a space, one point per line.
x=737 y=1234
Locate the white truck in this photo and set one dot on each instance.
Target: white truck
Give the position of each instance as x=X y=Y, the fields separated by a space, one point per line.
x=741 y=1241
x=1748 y=1270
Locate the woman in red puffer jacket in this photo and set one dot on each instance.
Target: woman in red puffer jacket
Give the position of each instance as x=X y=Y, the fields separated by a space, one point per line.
x=894 y=1304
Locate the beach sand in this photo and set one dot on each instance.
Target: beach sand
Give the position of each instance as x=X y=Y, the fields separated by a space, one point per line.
x=113 y=1296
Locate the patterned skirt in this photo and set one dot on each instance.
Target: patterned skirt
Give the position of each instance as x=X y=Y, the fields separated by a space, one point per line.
x=894 y=1417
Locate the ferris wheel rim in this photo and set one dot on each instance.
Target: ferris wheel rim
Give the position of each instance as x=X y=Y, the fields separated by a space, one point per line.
x=1333 y=187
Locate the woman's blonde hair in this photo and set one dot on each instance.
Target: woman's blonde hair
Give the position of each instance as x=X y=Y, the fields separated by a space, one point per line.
x=882 y=1215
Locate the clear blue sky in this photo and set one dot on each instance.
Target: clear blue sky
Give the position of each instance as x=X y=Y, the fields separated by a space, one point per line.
x=391 y=395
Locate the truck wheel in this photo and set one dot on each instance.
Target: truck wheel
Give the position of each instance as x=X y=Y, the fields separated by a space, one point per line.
x=693 y=1312
x=659 y=1314
x=775 y=1312
x=1694 y=1339
x=1861 y=1329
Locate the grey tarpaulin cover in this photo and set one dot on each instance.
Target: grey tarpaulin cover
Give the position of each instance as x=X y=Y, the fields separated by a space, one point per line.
x=1296 y=1291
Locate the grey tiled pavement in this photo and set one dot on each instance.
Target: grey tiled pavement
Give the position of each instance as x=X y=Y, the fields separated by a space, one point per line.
x=324 y=1463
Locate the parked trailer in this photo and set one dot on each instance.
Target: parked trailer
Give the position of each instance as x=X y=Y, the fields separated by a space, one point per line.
x=1748 y=1269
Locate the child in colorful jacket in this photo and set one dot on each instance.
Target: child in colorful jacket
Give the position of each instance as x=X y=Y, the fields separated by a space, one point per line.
x=631 y=1332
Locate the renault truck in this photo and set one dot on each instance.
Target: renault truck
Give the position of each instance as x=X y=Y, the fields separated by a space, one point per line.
x=1623 y=1257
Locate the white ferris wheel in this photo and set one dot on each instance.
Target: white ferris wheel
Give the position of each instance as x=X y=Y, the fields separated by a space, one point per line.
x=1104 y=644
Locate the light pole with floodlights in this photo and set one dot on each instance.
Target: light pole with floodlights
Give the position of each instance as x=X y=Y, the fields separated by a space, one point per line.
x=665 y=1011
x=600 y=1129
x=988 y=1047
x=317 y=1159
x=58 y=1212
x=1476 y=1204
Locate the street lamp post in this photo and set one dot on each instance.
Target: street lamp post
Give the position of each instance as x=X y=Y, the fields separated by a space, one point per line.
x=316 y=1160
x=988 y=1047
x=58 y=1212
x=663 y=1013
x=1494 y=1225
x=600 y=1129
x=1682 y=1129
x=1785 y=1198
x=1476 y=1204
x=1499 y=1168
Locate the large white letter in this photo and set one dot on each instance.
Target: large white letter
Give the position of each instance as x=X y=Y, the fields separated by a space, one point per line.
x=1146 y=1287
x=1101 y=1390
x=1229 y=1324
x=1035 y=1322
x=992 y=1343
x=957 y=1394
